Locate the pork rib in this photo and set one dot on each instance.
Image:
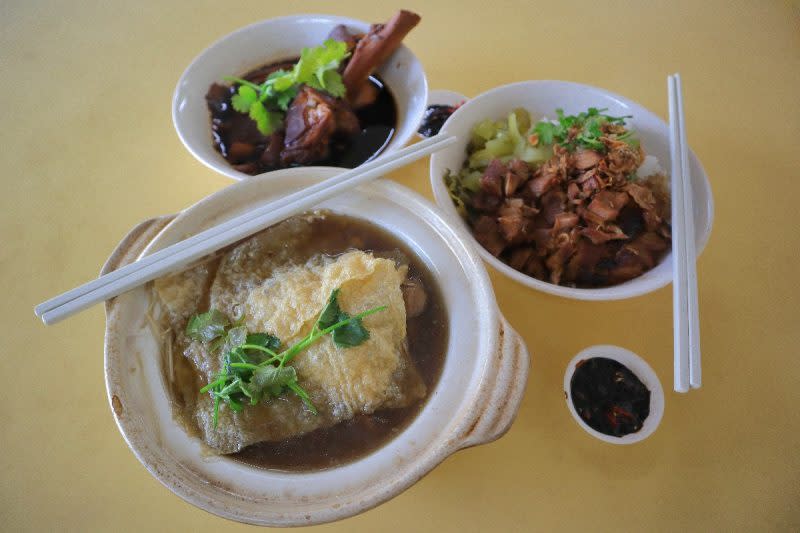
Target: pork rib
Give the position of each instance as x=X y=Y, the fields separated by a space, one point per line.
x=371 y=52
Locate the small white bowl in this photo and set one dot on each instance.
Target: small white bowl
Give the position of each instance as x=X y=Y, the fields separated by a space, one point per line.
x=541 y=98
x=475 y=401
x=273 y=40
x=641 y=370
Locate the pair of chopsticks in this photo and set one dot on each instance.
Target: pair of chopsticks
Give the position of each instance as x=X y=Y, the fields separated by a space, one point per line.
x=180 y=254
x=686 y=324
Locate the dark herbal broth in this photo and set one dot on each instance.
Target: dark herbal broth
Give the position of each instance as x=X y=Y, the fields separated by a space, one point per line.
x=427 y=336
x=378 y=122
x=609 y=397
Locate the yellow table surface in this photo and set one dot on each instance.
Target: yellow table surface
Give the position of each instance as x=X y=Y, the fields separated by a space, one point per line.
x=87 y=150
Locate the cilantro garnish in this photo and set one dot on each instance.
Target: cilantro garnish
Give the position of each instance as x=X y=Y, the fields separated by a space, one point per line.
x=267 y=103
x=254 y=367
x=583 y=130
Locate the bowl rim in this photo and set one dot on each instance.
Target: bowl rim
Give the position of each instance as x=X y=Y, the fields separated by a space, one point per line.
x=641 y=369
x=449 y=439
x=624 y=290
x=227 y=170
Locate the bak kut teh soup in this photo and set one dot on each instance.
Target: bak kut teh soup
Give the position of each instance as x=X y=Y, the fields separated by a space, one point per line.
x=326 y=107
x=305 y=346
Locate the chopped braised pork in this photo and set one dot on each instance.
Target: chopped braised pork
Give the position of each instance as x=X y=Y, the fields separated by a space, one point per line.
x=313 y=119
x=578 y=219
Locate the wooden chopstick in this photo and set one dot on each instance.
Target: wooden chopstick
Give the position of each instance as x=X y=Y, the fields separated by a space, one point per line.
x=182 y=253
x=684 y=287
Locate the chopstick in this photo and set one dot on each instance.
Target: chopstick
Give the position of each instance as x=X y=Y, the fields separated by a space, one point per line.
x=686 y=323
x=184 y=252
x=695 y=379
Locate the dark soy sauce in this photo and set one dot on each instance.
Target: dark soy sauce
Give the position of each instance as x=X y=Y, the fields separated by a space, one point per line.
x=609 y=397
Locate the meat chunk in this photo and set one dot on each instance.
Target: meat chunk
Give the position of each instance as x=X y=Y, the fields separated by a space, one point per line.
x=271 y=156
x=519 y=257
x=602 y=235
x=517 y=206
x=646 y=200
x=564 y=222
x=518 y=173
x=558 y=259
x=585 y=159
x=516 y=220
x=514 y=228
x=312 y=121
x=585 y=264
x=342 y=34
x=372 y=51
x=605 y=206
x=492 y=178
x=553 y=204
x=644 y=249
x=486 y=203
x=414 y=297
x=622 y=159
x=487 y=233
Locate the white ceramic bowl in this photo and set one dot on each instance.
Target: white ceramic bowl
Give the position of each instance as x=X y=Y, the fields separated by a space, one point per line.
x=641 y=370
x=475 y=401
x=541 y=98
x=273 y=40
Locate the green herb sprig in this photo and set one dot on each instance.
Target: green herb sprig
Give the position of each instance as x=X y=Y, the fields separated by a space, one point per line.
x=583 y=130
x=267 y=103
x=254 y=367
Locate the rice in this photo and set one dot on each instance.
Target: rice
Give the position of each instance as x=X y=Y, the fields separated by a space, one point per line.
x=650 y=167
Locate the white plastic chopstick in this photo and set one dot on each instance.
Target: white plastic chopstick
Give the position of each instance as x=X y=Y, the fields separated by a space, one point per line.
x=225 y=226
x=691 y=250
x=197 y=246
x=685 y=304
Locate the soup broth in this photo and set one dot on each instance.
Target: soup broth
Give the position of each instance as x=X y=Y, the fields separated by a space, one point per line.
x=331 y=235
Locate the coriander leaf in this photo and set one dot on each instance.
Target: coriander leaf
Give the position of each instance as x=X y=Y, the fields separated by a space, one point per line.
x=333 y=84
x=351 y=334
x=264 y=339
x=267 y=103
x=284 y=81
x=267 y=121
x=545 y=131
x=300 y=391
x=244 y=98
x=330 y=313
x=315 y=62
x=284 y=98
x=235 y=337
x=304 y=68
x=233 y=357
x=271 y=379
x=207 y=326
x=330 y=55
x=234 y=405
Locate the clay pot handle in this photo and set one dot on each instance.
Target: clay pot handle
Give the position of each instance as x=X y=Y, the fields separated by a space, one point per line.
x=497 y=408
x=129 y=248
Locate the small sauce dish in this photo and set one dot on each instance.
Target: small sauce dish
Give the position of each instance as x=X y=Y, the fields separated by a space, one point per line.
x=640 y=369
